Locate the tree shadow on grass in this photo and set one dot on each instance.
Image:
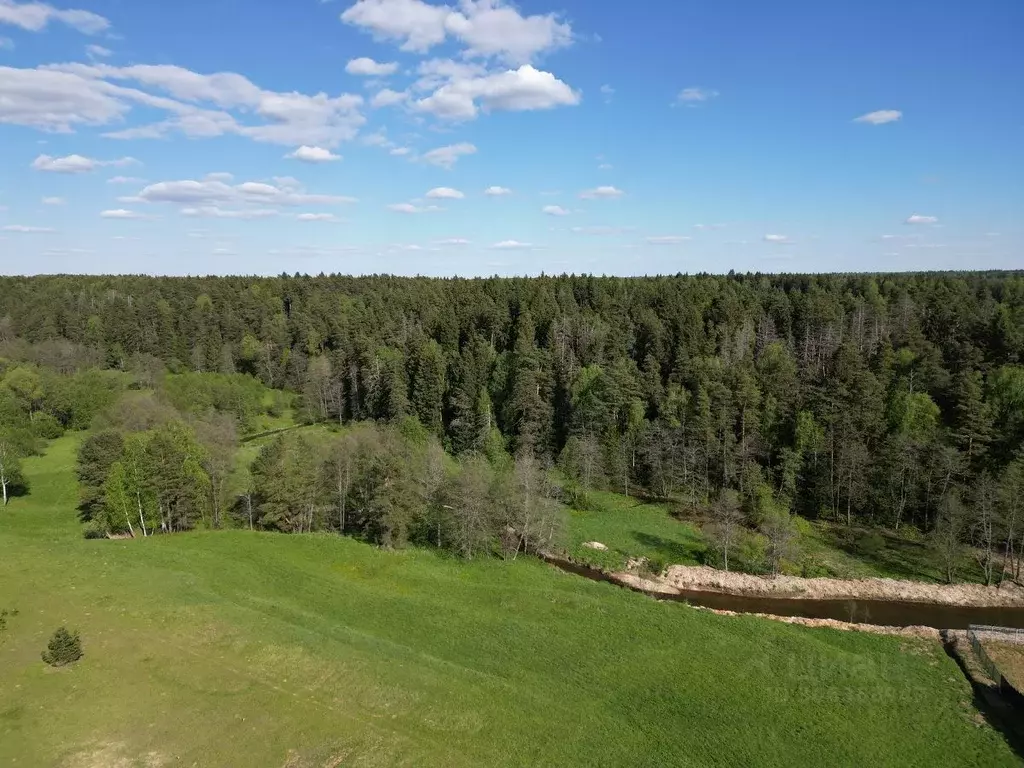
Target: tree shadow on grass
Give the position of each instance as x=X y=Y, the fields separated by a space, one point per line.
x=671 y=552
x=896 y=556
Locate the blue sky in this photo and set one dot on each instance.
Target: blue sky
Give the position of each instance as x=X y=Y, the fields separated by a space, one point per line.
x=482 y=137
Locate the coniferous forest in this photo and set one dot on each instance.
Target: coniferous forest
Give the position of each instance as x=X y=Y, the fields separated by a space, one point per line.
x=885 y=400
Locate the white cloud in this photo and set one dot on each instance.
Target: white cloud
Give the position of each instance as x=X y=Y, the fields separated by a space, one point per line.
x=514 y=90
x=57 y=97
x=446 y=157
x=371 y=68
x=880 y=117
x=444 y=193
x=781 y=239
x=220 y=176
x=605 y=167
x=35 y=17
x=26 y=230
x=601 y=193
x=125 y=180
x=317 y=217
x=484 y=27
x=607 y=92
x=388 y=98
x=197 y=194
x=400 y=151
x=98 y=52
x=511 y=245
x=452 y=241
x=417 y=25
x=76 y=163
x=404 y=208
x=55 y=101
x=53 y=201
x=695 y=95
x=919 y=219
x=497 y=191
x=214 y=212
x=122 y=213
x=555 y=210
x=709 y=226
x=6 y=44
x=667 y=240
x=313 y=155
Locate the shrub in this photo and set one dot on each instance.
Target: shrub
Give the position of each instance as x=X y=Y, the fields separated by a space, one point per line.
x=64 y=648
x=46 y=426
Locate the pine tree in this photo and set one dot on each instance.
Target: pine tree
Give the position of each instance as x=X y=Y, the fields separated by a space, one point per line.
x=64 y=648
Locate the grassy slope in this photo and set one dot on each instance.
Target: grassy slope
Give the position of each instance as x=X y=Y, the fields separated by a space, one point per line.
x=237 y=648
x=632 y=528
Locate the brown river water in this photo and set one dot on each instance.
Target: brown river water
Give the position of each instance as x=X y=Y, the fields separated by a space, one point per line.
x=888 y=613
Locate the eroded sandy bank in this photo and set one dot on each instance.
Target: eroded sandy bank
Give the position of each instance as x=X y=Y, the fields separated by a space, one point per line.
x=702 y=578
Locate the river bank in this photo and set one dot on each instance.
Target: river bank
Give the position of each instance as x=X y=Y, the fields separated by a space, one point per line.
x=681 y=578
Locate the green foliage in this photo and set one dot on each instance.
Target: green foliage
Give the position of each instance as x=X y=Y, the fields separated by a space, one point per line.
x=238 y=394
x=230 y=624
x=64 y=648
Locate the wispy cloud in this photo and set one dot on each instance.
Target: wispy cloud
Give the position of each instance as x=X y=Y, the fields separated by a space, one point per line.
x=601 y=193
x=880 y=117
x=695 y=95
x=919 y=219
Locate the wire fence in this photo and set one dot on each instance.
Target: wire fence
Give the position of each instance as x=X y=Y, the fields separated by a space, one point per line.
x=976 y=634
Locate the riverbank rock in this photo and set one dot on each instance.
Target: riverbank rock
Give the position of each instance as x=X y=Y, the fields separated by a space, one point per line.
x=684 y=577
x=595 y=545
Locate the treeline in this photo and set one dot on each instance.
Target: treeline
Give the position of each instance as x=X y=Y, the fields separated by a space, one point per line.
x=394 y=484
x=887 y=400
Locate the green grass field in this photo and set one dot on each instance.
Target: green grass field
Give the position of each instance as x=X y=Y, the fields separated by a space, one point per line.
x=245 y=649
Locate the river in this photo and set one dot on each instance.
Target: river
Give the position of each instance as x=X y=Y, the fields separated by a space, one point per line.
x=889 y=613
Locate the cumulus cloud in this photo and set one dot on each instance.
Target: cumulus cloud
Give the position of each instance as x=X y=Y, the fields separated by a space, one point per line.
x=122 y=213
x=371 y=68
x=667 y=240
x=880 y=117
x=317 y=217
x=452 y=241
x=444 y=193
x=919 y=219
x=486 y=28
x=400 y=151
x=780 y=239
x=35 y=17
x=205 y=195
x=58 y=97
x=76 y=163
x=497 y=191
x=555 y=210
x=695 y=95
x=511 y=245
x=601 y=193
x=26 y=230
x=446 y=157
x=388 y=98
x=514 y=90
x=313 y=155
x=53 y=201
x=98 y=52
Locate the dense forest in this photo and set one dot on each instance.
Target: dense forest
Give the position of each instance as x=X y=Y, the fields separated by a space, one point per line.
x=889 y=400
